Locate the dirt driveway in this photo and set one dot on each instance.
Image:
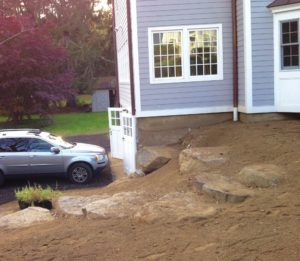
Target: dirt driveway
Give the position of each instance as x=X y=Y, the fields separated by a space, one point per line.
x=102 y=179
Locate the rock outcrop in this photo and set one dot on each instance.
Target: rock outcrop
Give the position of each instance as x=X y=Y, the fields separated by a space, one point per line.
x=177 y=206
x=139 y=206
x=221 y=188
x=26 y=217
x=261 y=175
x=196 y=160
x=73 y=205
x=150 y=159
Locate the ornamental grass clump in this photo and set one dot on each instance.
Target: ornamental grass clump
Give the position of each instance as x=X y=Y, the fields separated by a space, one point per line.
x=37 y=196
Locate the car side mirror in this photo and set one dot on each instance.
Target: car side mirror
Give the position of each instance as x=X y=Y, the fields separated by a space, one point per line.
x=55 y=150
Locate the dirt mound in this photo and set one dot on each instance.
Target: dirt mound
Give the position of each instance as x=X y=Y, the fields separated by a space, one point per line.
x=264 y=227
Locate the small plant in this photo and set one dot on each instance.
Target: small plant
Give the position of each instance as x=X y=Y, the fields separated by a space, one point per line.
x=36 y=196
x=24 y=195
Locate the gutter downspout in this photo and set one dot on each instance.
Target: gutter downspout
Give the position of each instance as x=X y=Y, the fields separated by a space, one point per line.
x=131 y=67
x=117 y=97
x=235 y=61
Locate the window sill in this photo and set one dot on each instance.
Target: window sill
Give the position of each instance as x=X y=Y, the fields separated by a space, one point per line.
x=188 y=79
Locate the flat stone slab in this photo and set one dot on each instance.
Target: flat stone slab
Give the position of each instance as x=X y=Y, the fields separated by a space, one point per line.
x=261 y=175
x=177 y=206
x=120 y=205
x=196 y=160
x=72 y=205
x=140 y=206
x=222 y=188
x=25 y=218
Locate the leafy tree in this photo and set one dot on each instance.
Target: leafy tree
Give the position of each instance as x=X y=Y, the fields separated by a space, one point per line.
x=84 y=32
x=33 y=71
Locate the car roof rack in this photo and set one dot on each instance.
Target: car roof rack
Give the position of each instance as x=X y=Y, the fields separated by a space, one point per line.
x=28 y=130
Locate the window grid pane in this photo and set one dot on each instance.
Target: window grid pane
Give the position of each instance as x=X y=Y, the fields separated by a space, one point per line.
x=203 y=52
x=290 y=44
x=167 y=54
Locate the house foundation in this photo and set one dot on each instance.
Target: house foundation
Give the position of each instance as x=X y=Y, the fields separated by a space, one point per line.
x=170 y=129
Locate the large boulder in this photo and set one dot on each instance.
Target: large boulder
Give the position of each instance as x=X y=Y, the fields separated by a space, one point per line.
x=196 y=160
x=119 y=205
x=175 y=206
x=221 y=188
x=25 y=218
x=140 y=206
x=73 y=205
x=152 y=158
x=261 y=175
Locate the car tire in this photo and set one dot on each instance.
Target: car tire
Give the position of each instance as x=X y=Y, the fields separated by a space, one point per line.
x=80 y=173
x=2 y=179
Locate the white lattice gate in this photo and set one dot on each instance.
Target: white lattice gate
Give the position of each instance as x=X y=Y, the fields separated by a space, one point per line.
x=115 y=132
x=122 y=129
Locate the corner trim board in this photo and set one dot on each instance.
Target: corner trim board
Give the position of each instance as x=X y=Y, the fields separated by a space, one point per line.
x=135 y=51
x=248 y=55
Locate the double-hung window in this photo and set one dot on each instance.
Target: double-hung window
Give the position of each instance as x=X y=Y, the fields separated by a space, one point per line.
x=187 y=53
x=290 y=45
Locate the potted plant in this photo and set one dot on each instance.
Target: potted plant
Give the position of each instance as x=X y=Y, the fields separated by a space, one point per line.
x=36 y=196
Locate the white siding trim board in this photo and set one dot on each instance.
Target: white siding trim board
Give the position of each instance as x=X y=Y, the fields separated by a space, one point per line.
x=122 y=53
x=174 y=112
x=135 y=53
x=248 y=55
x=285 y=8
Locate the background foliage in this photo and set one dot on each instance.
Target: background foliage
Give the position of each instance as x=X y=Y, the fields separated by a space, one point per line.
x=73 y=31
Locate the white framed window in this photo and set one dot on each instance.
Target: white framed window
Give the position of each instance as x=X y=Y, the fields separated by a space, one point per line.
x=185 y=53
x=290 y=44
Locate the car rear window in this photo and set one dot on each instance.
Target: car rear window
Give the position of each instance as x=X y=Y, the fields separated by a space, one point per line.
x=13 y=145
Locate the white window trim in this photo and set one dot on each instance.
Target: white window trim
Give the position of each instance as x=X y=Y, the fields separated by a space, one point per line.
x=186 y=54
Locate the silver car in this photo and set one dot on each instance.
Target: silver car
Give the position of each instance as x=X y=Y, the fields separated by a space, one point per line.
x=34 y=152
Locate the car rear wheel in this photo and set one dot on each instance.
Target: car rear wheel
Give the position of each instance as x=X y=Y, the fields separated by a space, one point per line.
x=80 y=173
x=2 y=179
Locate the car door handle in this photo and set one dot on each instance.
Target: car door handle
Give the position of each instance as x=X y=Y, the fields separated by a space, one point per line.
x=2 y=157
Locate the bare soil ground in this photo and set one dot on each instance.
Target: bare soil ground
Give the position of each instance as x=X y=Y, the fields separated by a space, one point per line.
x=264 y=227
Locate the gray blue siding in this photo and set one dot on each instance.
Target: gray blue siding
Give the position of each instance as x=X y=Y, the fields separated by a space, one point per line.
x=262 y=53
x=157 y=13
x=241 y=52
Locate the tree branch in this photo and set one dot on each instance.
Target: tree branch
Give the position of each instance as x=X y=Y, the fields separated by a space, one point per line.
x=106 y=60
x=15 y=36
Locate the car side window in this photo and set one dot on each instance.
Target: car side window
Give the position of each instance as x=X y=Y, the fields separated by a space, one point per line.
x=38 y=145
x=14 y=145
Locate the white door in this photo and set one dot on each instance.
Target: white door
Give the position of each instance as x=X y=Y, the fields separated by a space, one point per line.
x=115 y=132
x=287 y=61
x=129 y=145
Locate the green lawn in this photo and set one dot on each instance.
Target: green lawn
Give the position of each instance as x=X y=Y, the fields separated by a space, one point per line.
x=69 y=124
